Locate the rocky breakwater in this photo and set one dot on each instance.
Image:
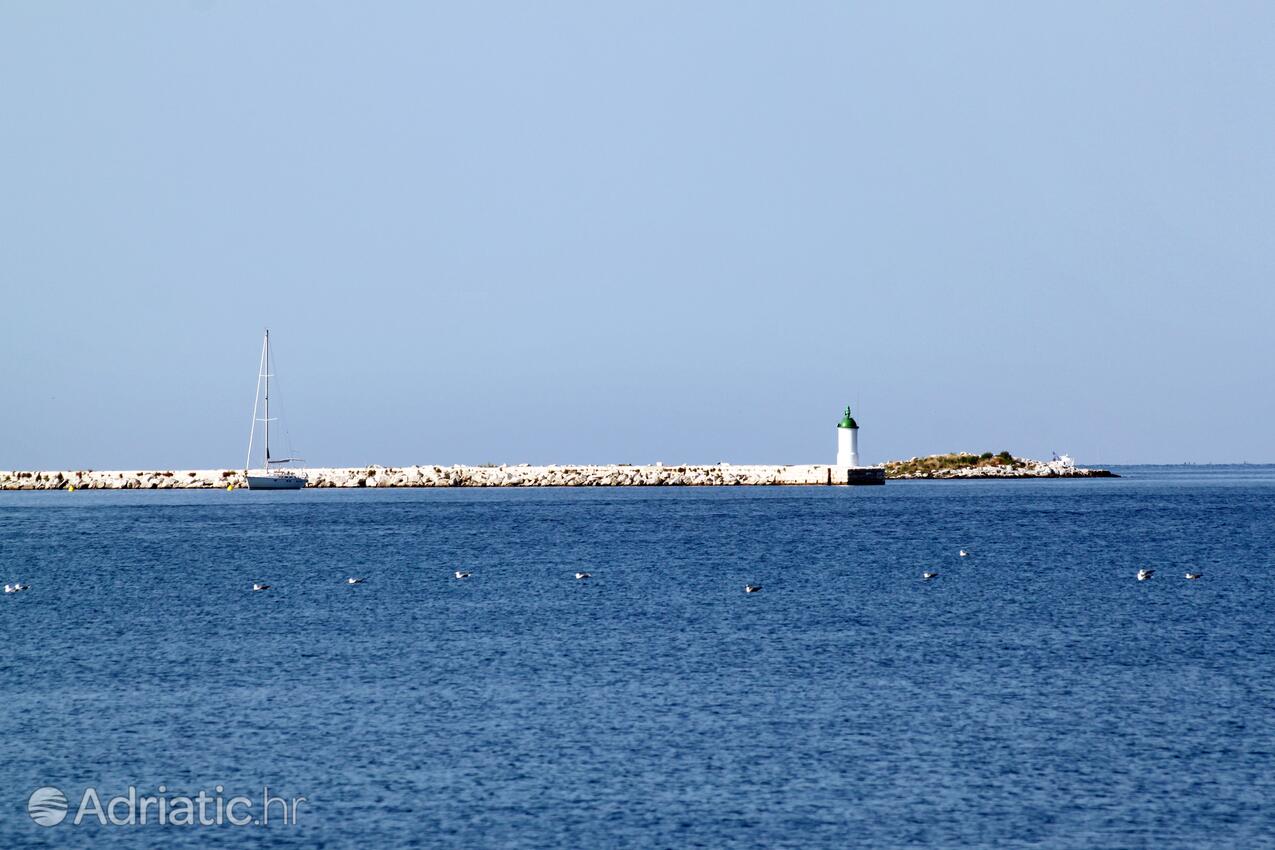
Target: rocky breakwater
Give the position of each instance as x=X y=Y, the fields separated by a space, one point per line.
x=90 y=479
x=1004 y=465
x=720 y=475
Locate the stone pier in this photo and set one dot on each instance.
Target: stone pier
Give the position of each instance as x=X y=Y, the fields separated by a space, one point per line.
x=622 y=475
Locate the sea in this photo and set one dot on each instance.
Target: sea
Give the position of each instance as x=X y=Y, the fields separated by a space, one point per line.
x=1033 y=694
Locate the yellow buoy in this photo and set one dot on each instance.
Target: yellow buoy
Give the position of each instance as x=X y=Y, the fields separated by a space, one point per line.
x=70 y=488
x=229 y=487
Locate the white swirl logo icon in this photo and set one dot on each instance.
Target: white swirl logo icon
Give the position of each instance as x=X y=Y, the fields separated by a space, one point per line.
x=47 y=806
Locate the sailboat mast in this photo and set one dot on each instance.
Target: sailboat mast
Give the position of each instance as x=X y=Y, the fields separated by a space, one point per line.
x=266 y=465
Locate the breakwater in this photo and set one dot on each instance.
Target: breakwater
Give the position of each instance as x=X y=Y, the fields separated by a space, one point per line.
x=720 y=475
x=523 y=475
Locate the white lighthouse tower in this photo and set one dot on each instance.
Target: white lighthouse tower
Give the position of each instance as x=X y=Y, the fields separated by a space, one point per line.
x=847 y=441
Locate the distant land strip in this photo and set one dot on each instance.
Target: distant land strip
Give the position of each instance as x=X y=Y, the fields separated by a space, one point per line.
x=523 y=475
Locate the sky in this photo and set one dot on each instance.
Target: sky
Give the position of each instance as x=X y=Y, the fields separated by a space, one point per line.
x=636 y=232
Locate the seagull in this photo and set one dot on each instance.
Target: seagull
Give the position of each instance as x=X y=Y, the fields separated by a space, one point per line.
x=752 y=588
x=16 y=587
x=256 y=585
x=460 y=574
x=582 y=576
x=1194 y=576
x=352 y=580
x=964 y=554
x=1143 y=575
x=929 y=576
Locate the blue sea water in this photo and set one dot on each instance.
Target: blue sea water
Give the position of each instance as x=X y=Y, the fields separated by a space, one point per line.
x=1034 y=695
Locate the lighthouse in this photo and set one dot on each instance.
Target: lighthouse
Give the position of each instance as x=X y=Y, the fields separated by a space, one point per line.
x=847 y=441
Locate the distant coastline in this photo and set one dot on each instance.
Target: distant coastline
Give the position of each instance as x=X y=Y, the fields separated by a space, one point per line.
x=524 y=475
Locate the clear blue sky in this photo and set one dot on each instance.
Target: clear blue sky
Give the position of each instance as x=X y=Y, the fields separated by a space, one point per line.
x=600 y=232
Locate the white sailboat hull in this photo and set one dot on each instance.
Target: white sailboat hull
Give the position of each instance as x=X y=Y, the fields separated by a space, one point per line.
x=276 y=481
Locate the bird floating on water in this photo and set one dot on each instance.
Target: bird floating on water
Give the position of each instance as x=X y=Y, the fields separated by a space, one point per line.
x=580 y=576
x=1143 y=575
x=964 y=554
x=929 y=576
x=256 y=585
x=461 y=574
x=16 y=587
x=1194 y=576
x=752 y=588
x=353 y=580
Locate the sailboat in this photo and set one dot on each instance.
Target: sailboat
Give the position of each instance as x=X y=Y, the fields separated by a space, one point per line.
x=270 y=476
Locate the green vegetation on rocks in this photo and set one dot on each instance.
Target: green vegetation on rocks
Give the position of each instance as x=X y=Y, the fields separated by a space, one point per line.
x=923 y=466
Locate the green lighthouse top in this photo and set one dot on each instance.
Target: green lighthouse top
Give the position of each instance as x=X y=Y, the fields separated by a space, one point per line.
x=847 y=421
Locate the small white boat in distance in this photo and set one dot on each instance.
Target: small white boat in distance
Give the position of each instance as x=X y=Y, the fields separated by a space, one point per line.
x=582 y=576
x=353 y=580
x=257 y=586
x=269 y=477
x=16 y=587
x=752 y=588
x=929 y=576
x=1194 y=576
x=964 y=554
x=461 y=574
x=1143 y=575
